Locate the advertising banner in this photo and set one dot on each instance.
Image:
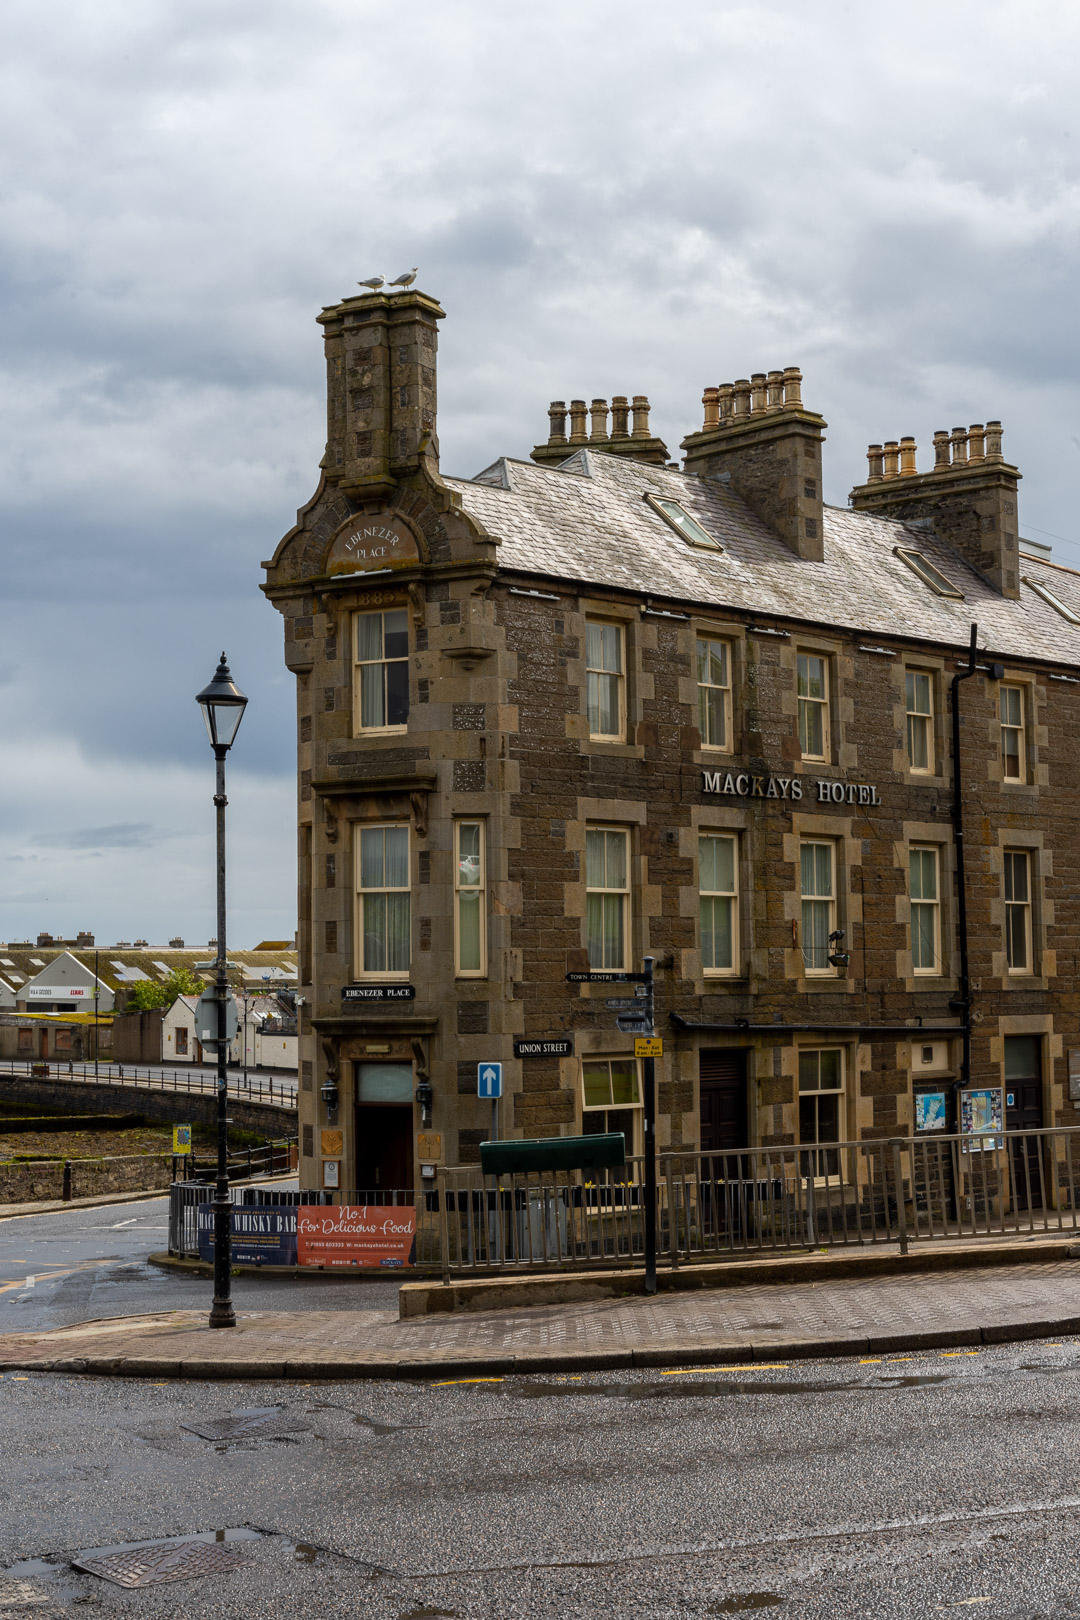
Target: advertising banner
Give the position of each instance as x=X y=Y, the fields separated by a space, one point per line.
x=356 y=1235
x=265 y=1236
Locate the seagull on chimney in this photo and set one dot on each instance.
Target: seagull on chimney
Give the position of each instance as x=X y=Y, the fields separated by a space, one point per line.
x=406 y=279
x=374 y=282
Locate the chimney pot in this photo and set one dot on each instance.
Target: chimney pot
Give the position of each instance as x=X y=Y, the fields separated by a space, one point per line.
x=993 y=441
x=725 y=398
x=710 y=399
x=792 y=387
x=641 y=417
x=598 y=412
x=941 y=451
x=775 y=391
x=557 y=420
x=741 y=398
x=757 y=393
x=578 y=434
x=958 y=441
x=976 y=442
x=892 y=459
x=907 y=456
x=620 y=413
x=874 y=457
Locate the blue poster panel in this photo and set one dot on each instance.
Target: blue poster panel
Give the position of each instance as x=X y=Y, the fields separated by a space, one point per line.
x=259 y=1235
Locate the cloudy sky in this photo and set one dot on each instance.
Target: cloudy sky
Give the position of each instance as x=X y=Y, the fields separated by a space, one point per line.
x=607 y=197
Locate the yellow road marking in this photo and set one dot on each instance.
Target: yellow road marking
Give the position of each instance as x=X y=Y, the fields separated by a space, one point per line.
x=871 y=1361
x=446 y=1382
x=945 y=1354
x=743 y=1366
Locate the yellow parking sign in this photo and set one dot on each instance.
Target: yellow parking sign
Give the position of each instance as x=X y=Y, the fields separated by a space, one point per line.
x=648 y=1046
x=181 y=1138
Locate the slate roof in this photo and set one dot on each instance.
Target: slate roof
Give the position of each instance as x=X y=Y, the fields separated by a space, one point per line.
x=153 y=962
x=586 y=521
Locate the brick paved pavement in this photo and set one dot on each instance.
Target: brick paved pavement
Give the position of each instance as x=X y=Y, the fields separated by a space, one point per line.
x=827 y=1317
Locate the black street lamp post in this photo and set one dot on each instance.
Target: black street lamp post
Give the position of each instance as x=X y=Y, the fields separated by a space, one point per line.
x=223 y=706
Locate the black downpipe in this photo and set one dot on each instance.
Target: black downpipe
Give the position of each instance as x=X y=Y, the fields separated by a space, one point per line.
x=962 y=1003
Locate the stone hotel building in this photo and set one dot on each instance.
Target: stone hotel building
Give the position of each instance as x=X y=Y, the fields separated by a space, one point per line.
x=599 y=704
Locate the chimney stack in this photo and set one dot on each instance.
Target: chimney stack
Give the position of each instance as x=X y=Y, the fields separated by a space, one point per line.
x=758 y=432
x=969 y=498
x=380 y=386
x=620 y=441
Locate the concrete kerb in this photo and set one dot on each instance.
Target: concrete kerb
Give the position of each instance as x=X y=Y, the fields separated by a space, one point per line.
x=725 y=1353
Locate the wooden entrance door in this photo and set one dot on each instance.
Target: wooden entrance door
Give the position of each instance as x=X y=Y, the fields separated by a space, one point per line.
x=1024 y=1112
x=724 y=1123
x=384 y=1150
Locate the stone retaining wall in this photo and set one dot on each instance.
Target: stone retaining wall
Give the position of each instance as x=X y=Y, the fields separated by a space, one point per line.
x=28 y=1183
x=171 y=1107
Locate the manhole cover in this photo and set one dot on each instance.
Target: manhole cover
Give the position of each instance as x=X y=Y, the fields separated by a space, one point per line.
x=161 y=1561
x=261 y=1425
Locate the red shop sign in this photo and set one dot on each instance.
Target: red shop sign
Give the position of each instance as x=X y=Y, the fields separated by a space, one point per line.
x=356 y=1234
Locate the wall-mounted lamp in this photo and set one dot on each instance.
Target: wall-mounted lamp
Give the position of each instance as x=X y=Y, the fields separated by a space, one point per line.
x=424 y=1098
x=328 y=1091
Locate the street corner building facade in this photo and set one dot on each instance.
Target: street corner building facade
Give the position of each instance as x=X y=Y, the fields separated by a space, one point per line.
x=595 y=706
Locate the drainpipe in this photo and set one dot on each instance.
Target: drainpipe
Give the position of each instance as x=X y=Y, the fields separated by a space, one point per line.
x=962 y=1002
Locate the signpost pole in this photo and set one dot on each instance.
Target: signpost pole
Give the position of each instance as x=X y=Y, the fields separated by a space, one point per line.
x=494 y=1119
x=648 y=1089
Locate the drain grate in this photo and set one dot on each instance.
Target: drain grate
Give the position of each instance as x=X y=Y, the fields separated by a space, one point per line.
x=157 y=1562
x=247 y=1425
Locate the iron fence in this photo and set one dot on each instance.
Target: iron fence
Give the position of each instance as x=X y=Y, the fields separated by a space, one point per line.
x=774 y=1199
x=280 y=1093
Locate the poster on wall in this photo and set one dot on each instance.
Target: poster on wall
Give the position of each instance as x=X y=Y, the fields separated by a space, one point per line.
x=981 y=1119
x=265 y=1237
x=356 y=1235
x=930 y=1111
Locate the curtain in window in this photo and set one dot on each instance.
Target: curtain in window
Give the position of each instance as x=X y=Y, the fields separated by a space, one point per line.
x=816 y=866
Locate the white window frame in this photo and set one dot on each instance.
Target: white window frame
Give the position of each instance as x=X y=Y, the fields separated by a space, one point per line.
x=705 y=687
x=711 y=896
x=634 y=1146
x=462 y=890
x=360 y=664
x=919 y=720
x=362 y=894
x=930 y=907
x=816 y=899
x=813 y=1158
x=1018 y=911
x=597 y=672
x=1019 y=728
x=623 y=893
x=808 y=704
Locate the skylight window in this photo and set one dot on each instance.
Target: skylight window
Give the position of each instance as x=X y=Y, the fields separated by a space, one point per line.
x=683 y=523
x=929 y=575
x=37 y=962
x=5 y=961
x=1055 y=602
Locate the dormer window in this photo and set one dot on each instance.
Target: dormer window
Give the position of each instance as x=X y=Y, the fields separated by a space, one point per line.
x=929 y=575
x=681 y=521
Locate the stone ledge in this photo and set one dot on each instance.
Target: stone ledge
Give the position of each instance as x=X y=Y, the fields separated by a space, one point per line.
x=417 y=1299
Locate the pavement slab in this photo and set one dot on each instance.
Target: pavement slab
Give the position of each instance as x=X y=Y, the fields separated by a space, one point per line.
x=846 y=1316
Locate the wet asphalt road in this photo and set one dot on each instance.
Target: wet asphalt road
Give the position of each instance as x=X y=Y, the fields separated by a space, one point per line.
x=81 y=1264
x=910 y=1487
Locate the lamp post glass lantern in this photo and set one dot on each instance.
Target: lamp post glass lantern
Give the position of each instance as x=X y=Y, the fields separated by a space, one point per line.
x=223 y=705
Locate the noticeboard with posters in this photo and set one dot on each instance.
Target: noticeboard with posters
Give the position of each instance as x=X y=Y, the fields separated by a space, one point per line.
x=982 y=1119
x=356 y=1235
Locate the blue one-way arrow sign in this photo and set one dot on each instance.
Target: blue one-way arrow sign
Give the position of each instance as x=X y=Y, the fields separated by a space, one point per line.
x=489 y=1080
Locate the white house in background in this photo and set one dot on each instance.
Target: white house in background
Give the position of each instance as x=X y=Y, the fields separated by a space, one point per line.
x=179 y=1041
x=63 y=985
x=268 y=1030
x=7 y=996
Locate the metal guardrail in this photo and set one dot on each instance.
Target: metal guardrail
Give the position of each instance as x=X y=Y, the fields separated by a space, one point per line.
x=257 y=1089
x=765 y=1200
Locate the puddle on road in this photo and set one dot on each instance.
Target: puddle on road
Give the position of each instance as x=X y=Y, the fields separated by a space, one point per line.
x=710 y=1387
x=741 y=1602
